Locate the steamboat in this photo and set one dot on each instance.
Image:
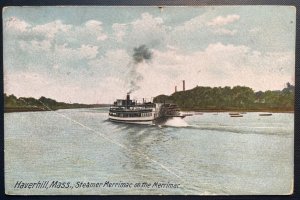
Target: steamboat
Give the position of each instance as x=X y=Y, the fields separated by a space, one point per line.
x=146 y=112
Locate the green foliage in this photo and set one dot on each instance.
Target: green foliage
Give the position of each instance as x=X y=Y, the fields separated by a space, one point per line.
x=12 y=103
x=227 y=98
x=198 y=98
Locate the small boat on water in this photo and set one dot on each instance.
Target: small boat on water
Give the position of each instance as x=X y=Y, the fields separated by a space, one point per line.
x=265 y=114
x=130 y=111
x=236 y=115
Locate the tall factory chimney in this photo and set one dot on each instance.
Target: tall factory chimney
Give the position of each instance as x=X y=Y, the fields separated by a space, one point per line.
x=175 y=88
x=183 y=85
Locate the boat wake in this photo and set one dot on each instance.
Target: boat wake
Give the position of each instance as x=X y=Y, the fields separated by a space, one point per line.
x=176 y=122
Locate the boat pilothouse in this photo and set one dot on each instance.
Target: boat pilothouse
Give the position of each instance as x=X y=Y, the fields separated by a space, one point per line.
x=130 y=111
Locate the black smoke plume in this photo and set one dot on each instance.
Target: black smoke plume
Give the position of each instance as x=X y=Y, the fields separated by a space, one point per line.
x=140 y=54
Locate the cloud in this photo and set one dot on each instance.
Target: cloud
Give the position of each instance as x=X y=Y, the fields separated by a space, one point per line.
x=86 y=58
x=119 y=31
x=37 y=85
x=93 y=24
x=35 y=46
x=254 y=30
x=53 y=52
x=21 y=29
x=15 y=24
x=88 y=51
x=64 y=52
x=148 y=30
x=56 y=66
x=147 y=20
x=51 y=28
x=222 y=21
x=197 y=29
x=224 y=31
x=95 y=28
x=217 y=65
x=113 y=63
x=193 y=24
x=56 y=30
x=33 y=84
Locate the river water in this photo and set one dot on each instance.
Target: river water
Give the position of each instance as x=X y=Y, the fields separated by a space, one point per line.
x=203 y=154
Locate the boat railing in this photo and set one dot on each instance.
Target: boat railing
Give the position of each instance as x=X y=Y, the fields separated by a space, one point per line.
x=131 y=108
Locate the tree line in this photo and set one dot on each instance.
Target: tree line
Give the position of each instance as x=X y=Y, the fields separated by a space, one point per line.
x=235 y=98
x=14 y=104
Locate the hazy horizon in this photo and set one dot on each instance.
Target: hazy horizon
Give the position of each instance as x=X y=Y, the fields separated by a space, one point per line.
x=98 y=54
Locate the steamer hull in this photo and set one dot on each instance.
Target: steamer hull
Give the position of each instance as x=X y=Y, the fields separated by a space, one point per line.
x=134 y=120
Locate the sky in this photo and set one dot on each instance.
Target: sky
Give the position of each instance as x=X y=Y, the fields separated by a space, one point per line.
x=89 y=54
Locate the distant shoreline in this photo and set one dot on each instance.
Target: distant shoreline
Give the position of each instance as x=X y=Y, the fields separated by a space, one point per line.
x=24 y=109
x=239 y=110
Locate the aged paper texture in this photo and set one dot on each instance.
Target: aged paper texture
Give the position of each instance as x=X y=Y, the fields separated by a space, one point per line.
x=149 y=100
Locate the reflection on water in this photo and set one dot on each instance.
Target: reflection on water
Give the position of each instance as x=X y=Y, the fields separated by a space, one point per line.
x=206 y=154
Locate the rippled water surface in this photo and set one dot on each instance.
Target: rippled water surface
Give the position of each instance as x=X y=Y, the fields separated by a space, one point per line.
x=211 y=153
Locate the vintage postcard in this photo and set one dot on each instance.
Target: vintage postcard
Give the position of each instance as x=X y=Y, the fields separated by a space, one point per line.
x=147 y=100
